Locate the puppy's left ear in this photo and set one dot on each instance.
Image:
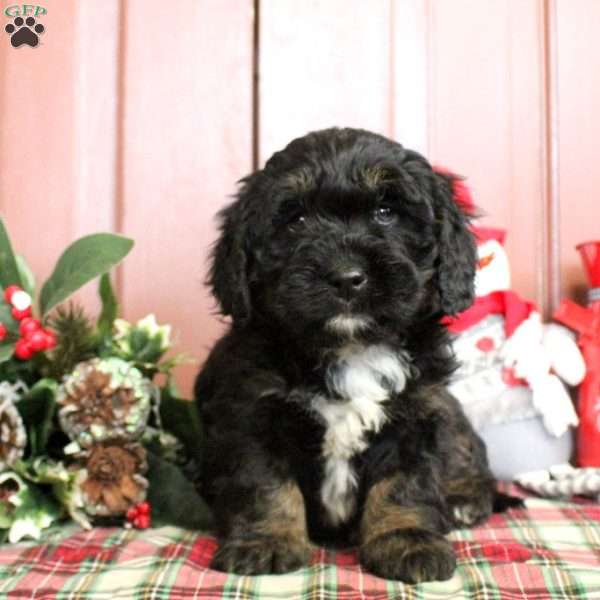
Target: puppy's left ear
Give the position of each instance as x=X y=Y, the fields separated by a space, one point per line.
x=457 y=256
x=228 y=274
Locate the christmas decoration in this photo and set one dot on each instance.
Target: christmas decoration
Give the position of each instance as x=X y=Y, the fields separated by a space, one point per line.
x=502 y=344
x=86 y=431
x=12 y=432
x=143 y=342
x=113 y=481
x=24 y=510
x=513 y=366
x=104 y=399
x=75 y=340
x=562 y=481
x=139 y=516
x=586 y=321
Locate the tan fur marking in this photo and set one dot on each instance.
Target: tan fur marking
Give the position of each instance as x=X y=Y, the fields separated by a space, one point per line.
x=375 y=176
x=286 y=517
x=299 y=181
x=470 y=488
x=381 y=515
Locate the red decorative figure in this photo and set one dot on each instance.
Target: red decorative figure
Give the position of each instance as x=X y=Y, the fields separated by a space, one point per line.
x=586 y=321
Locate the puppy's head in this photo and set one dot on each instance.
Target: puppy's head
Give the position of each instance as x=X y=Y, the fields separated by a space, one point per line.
x=344 y=233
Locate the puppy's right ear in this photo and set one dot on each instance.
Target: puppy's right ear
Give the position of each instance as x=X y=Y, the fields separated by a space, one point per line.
x=229 y=270
x=457 y=251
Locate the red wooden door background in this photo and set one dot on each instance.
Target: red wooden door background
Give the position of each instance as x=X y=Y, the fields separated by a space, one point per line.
x=139 y=116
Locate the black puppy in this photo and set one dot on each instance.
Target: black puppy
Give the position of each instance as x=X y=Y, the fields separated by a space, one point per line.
x=325 y=406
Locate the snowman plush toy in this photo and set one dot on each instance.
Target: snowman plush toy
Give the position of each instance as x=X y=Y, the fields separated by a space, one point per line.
x=513 y=371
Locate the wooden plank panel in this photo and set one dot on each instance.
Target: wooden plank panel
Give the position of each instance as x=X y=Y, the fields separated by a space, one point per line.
x=323 y=63
x=37 y=145
x=96 y=124
x=486 y=120
x=410 y=101
x=578 y=93
x=186 y=140
x=57 y=132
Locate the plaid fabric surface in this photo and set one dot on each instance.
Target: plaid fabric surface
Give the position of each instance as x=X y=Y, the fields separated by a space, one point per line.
x=551 y=550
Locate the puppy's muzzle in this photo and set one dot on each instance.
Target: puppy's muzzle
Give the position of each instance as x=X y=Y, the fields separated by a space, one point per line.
x=348 y=282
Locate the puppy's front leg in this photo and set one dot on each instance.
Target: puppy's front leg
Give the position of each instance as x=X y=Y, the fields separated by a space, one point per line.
x=403 y=542
x=265 y=530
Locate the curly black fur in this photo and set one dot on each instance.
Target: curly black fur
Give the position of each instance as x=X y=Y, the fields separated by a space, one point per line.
x=343 y=224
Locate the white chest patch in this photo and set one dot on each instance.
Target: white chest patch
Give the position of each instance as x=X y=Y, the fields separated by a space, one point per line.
x=360 y=381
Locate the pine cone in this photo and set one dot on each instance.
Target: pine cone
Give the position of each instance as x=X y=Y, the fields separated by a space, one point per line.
x=113 y=480
x=104 y=399
x=13 y=438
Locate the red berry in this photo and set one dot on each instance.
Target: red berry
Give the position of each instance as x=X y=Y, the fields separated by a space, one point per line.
x=23 y=350
x=38 y=341
x=28 y=326
x=131 y=514
x=20 y=300
x=142 y=521
x=19 y=315
x=143 y=508
x=3 y=331
x=50 y=339
x=9 y=291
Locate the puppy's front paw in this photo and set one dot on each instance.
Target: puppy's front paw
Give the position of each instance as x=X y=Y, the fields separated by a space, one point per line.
x=261 y=555
x=410 y=555
x=470 y=511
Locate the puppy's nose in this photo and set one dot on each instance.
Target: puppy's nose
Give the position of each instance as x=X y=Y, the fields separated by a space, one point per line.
x=349 y=283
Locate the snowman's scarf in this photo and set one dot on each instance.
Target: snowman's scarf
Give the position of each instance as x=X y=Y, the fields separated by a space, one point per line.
x=514 y=309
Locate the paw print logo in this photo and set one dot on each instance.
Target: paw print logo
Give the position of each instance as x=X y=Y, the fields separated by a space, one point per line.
x=24 y=32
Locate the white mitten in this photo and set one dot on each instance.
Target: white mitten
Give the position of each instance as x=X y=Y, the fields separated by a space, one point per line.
x=526 y=339
x=565 y=357
x=525 y=353
x=553 y=402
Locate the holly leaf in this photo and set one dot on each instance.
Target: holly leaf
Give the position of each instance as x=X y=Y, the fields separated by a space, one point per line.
x=174 y=498
x=82 y=261
x=37 y=410
x=35 y=512
x=9 y=271
x=27 y=510
x=110 y=306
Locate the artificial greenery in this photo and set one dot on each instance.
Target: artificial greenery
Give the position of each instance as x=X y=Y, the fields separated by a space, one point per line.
x=101 y=434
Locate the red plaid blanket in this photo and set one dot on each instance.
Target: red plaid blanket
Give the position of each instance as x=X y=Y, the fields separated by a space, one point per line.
x=550 y=550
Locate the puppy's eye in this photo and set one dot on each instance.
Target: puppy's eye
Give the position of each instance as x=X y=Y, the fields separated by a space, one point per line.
x=297 y=222
x=384 y=215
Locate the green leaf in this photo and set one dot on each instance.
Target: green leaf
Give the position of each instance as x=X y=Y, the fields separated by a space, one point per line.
x=180 y=417
x=81 y=262
x=26 y=275
x=35 y=512
x=110 y=306
x=27 y=510
x=63 y=482
x=174 y=498
x=9 y=271
x=6 y=351
x=178 y=359
x=7 y=319
x=37 y=410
